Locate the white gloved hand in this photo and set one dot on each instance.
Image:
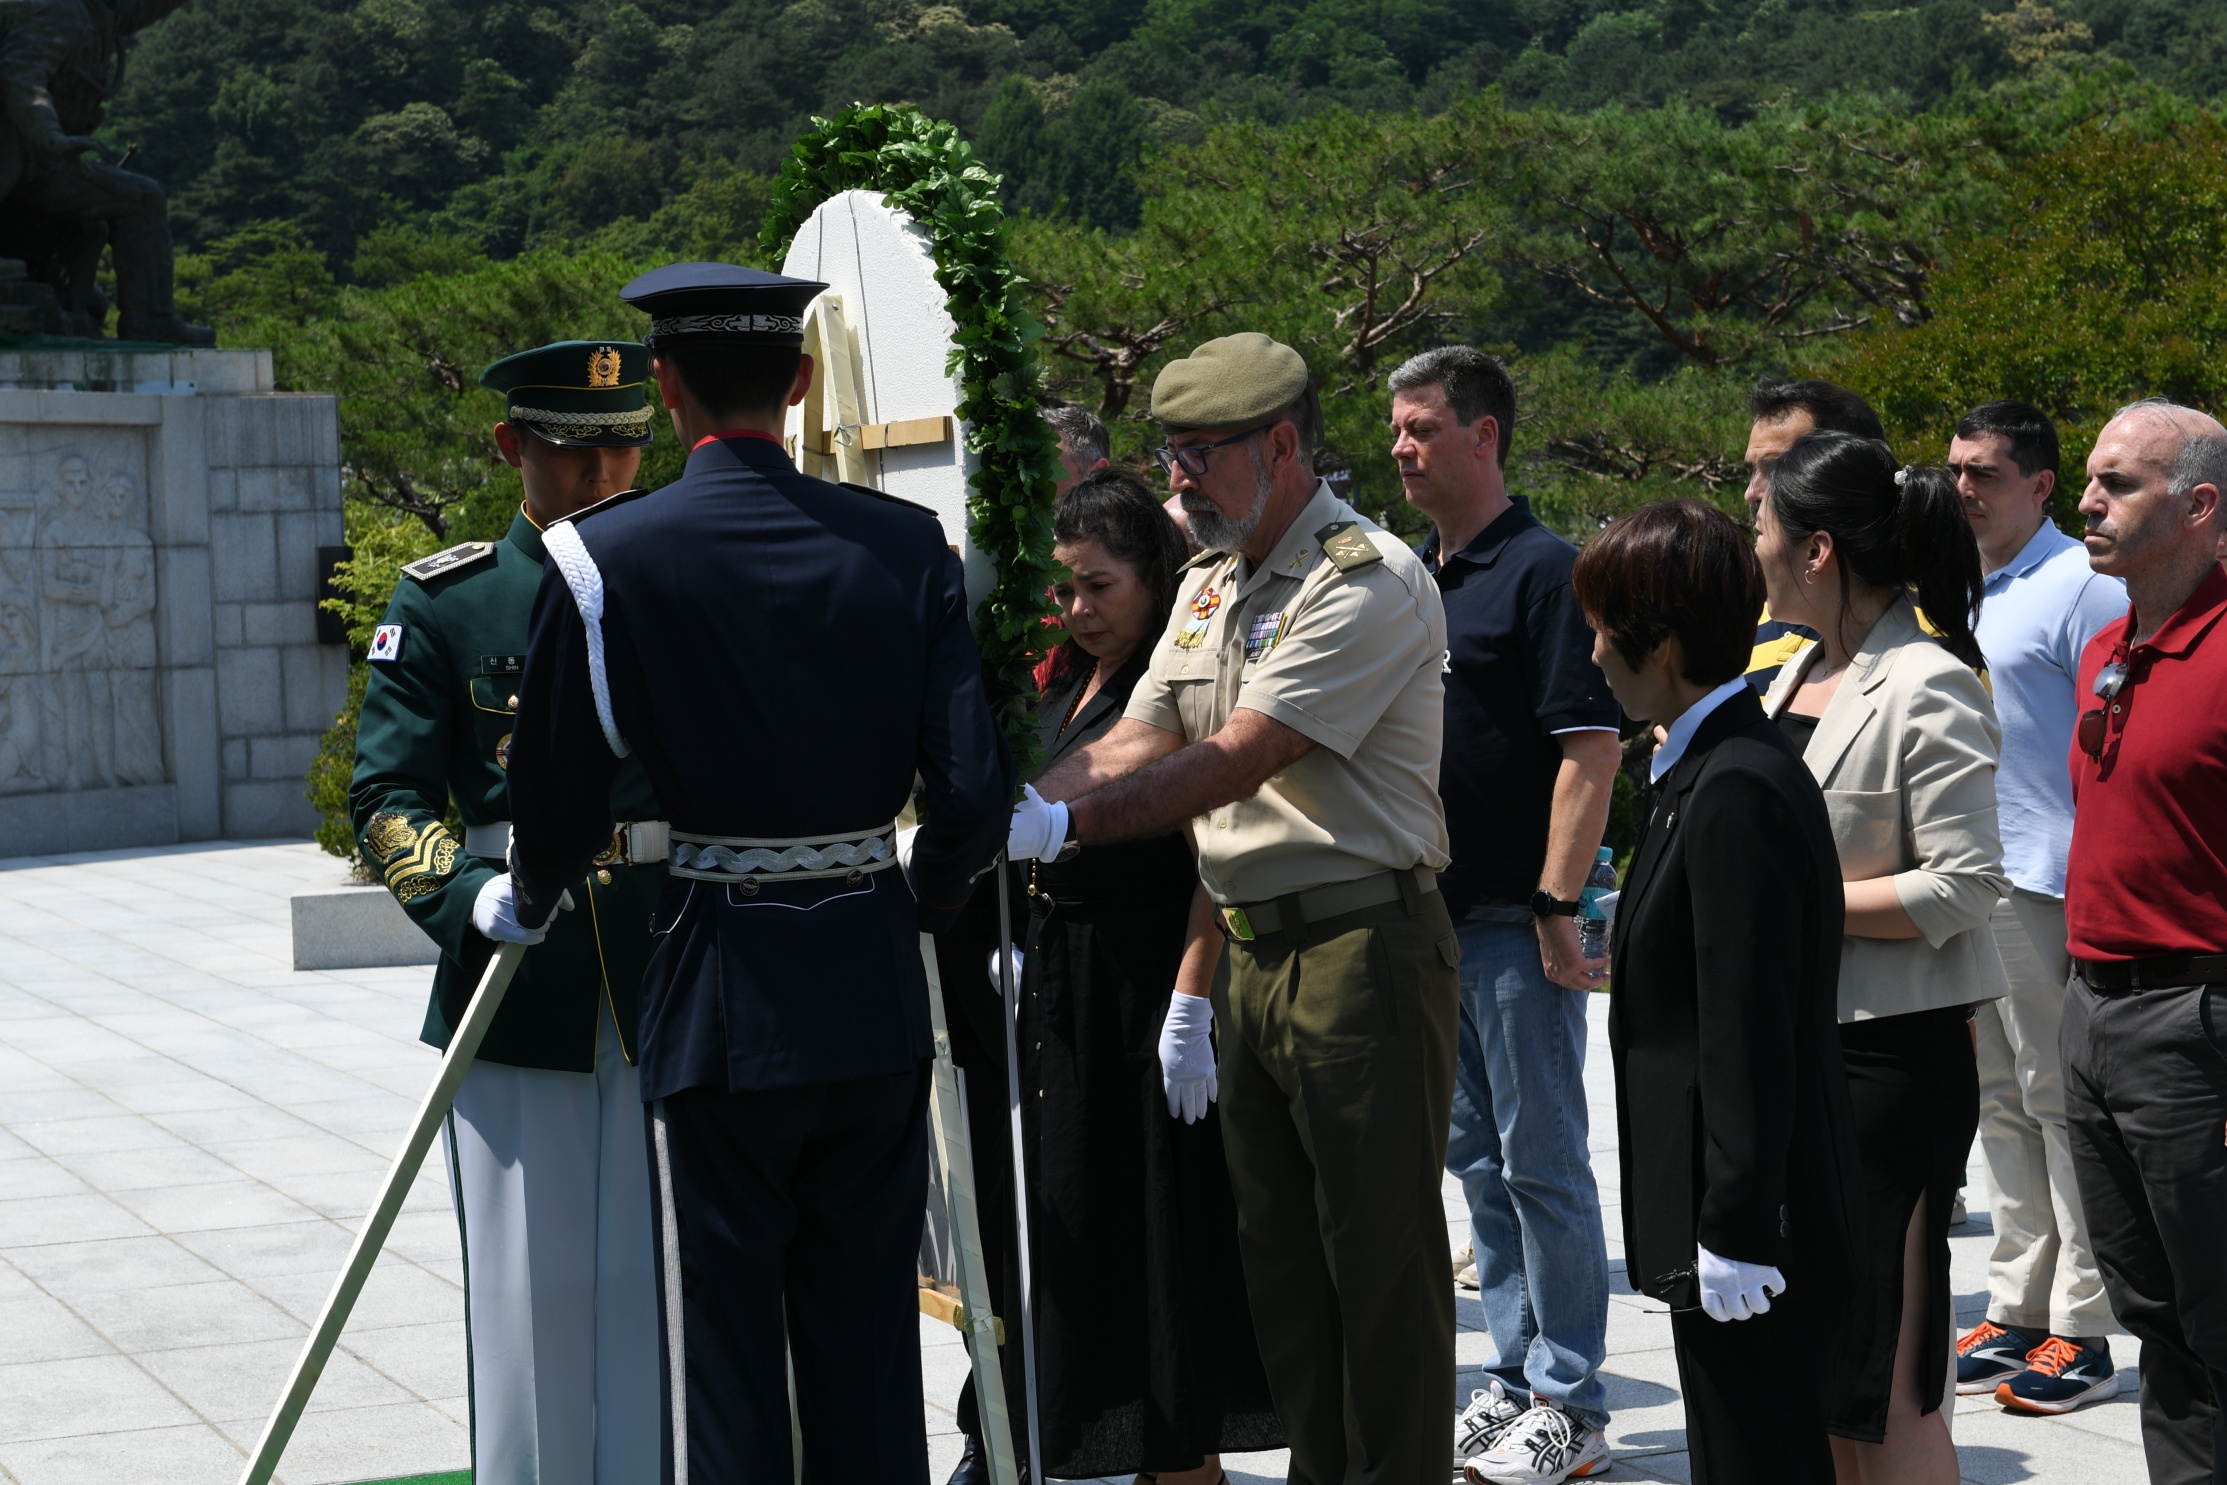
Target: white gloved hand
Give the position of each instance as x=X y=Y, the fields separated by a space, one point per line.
x=1187 y=1056
x=495 y=913
x=1039 y=827
x=905 y=839
x=1732 y=1290
x=1014 y=950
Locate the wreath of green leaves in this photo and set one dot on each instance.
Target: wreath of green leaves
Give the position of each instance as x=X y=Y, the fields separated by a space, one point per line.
x=922 y=167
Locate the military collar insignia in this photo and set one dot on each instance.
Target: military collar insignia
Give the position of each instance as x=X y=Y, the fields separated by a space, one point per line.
x=454 y=559
x=1347 y=546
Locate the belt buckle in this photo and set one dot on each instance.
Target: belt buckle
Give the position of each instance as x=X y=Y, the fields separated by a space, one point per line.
x=1237 y=925
x=613 y=854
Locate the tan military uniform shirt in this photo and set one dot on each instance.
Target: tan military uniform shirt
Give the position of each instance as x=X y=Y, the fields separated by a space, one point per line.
x=1351 y=657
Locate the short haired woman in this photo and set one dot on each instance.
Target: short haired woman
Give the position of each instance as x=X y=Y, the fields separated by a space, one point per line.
x=1741 y=1182
x=1898 y=729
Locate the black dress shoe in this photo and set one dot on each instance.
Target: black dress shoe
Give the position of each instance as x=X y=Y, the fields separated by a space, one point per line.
x=974 y=1465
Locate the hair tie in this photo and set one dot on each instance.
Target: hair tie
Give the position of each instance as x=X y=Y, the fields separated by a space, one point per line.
x=1902 y=475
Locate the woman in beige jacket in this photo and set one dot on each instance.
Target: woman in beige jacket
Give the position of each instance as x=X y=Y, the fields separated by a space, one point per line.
x=1899 y=732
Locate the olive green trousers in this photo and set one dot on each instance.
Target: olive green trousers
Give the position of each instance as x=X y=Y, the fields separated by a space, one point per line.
x=1337 y=1079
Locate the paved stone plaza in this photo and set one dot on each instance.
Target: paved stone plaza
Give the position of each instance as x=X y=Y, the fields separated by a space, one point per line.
x=189 y=1131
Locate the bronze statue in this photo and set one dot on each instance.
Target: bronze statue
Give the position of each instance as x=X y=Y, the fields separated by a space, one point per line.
x=60 y=63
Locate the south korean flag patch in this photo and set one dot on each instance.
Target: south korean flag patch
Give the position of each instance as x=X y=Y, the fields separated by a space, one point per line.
x=386 y=643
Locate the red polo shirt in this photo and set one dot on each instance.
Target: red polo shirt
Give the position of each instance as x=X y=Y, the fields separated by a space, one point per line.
x=2148 y=871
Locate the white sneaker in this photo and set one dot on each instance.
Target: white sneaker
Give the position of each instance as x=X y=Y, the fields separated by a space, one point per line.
x=1488 y=1416
x=1543 y=1447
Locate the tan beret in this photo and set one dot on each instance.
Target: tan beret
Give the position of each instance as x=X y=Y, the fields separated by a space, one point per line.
x=1240 y=378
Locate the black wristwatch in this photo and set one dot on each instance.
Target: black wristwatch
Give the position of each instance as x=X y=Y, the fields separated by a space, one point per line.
x=1070 y=847
x=1543 y=906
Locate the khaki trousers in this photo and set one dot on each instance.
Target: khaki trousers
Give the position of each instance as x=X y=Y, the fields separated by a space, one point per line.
x=1337 y=1077
x=2042 y=1274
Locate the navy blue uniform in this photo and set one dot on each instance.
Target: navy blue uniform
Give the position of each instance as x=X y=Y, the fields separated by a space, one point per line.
x=785 y=657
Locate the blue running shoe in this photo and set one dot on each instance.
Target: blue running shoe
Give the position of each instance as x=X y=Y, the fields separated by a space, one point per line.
x=1989 y=1355
x=2061 y=1375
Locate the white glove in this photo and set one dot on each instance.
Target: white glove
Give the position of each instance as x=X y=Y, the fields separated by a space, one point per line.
x=1014 y=951
x=1732 y=1290
x=1039 y=828
x=1187 y=1056
x=495 y=913
x=904 y=850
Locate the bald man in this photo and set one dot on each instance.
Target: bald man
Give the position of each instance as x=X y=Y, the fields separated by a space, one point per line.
x=2145 y=1026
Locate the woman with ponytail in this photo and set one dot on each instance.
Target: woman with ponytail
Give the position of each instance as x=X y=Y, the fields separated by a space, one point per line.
x=1892 y=719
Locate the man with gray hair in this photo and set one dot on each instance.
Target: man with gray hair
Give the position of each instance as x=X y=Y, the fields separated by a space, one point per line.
x=2145 y=1024
x=1084 y=446
x=1526 y=783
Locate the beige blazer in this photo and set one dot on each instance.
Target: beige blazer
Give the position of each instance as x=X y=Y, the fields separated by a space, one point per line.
x=1906 y=754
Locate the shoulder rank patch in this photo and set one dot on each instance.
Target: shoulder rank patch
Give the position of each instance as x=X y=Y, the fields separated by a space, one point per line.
x=1347 y=547
x=386 y=643
x=462 y=555
x=892 y=499
x=606 y=503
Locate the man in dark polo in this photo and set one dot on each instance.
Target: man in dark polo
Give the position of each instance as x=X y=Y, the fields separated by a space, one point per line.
x=1291 y=716
x=1531 y=756
x=2144 y=1039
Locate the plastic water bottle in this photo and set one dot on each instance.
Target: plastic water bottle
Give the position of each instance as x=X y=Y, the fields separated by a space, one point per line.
x=1592 y=917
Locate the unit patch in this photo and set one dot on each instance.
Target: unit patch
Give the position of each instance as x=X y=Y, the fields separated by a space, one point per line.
x=414 y=859
x=1346 y=545
x=1203 y=607
x=386 y=643
x=463 y=554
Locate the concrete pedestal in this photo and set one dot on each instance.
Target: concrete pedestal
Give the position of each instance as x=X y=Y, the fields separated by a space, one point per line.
x=161 y=678
x=356 y=927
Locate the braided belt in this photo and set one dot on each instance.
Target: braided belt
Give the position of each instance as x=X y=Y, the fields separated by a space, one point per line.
x=748 y=860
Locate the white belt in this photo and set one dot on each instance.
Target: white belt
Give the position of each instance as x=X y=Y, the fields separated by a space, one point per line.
x=793 y=858
x=635 y=842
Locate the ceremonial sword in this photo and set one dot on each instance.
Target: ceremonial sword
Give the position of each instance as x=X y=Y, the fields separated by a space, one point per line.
x=1012 y=997
x=372 y=1236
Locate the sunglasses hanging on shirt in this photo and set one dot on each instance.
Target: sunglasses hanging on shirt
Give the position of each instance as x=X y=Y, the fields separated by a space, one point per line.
x=2110 y=681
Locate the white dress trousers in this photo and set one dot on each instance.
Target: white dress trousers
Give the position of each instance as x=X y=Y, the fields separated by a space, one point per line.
x=550 y=1172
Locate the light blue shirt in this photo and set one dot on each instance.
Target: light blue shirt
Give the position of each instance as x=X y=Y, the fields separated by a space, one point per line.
x=2040 y=612
x=1680 y=732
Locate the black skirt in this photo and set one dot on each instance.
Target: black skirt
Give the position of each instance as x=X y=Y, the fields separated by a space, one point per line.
x=1915 y=1090
x=1145 y=1348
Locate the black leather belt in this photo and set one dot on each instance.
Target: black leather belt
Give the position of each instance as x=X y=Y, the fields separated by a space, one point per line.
x=2167 y=972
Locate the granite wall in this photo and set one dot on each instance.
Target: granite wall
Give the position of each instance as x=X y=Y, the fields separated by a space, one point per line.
x=161 y=677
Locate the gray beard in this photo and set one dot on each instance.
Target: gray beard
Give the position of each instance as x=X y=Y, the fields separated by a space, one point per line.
x=1215 y=532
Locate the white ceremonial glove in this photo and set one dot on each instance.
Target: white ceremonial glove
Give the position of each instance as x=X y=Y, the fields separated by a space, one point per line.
x=1187 y=1057
x=495 y=913
x=1039 y=828
x=1732 y=1290
x=1014 y=952
x=904 y=850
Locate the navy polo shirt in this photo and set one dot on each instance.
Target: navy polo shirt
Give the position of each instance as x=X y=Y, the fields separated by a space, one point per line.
x=1520 y=670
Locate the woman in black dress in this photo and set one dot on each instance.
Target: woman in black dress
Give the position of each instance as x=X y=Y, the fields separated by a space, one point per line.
x=1145 y=1349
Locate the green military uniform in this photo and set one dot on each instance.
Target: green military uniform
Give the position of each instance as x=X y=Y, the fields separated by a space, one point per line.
x=547 y=1156
x=436 y=727
x=1339 y=1013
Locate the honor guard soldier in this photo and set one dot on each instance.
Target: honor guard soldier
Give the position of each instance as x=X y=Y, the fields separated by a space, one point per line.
x=546 y=1138
x=711 y=633
x=1292 y=712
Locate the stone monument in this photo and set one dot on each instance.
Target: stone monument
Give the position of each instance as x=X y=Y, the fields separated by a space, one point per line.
x=166 y=520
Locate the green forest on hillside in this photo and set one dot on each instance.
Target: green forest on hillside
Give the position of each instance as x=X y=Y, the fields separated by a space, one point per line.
x=1645 y=205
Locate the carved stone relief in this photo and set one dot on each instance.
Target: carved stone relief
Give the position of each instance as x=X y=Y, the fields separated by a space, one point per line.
x=78 y=705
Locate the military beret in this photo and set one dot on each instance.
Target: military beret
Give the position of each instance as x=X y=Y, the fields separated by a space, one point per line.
x=722 y=301
x=578 y=392
x=1240 y=378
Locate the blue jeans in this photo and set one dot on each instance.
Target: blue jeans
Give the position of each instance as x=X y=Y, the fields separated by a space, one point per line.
x=1518 y=1145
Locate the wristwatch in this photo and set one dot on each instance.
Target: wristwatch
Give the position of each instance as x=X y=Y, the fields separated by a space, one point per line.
x=1072 y=846
x=1543 y=906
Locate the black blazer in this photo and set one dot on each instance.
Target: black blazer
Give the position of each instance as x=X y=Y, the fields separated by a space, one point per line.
x=1731 y=1102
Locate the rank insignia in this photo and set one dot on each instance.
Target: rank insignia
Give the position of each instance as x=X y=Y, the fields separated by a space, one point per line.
x=386 y=643
x=413 y=859
x=463 y=554
x=603 y=367
x=1262 y=634
x=1347 y=546
x=502 y=752
x=1194 y=629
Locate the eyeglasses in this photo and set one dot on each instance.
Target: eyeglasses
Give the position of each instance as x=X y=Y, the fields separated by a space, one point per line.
x=2110 y=681
x=1193 y=458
